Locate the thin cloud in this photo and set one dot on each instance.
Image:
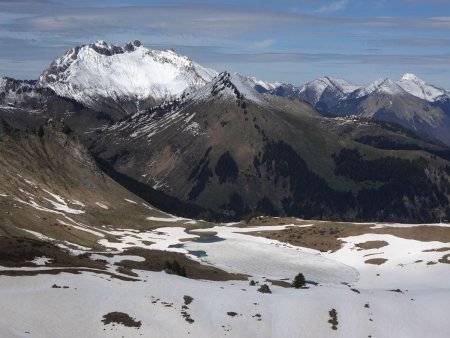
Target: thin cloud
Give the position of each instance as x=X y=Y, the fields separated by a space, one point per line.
x=263 y=44
x=332 y=7
x=416 y=42
x=197 y=20
x=222 y=33
x=368 y=59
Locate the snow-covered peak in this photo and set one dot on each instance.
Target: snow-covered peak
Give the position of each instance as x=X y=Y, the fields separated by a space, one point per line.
x=411 y=77
x=261 y=86
x=419 y=88
x=381 y=86
x=226 y=85
x=133 y=72
x=339 y=87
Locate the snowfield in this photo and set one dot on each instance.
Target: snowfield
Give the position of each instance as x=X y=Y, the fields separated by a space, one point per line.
x=260 y=257
x=406 y=296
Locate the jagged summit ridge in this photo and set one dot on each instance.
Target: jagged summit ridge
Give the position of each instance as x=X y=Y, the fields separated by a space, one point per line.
x=227 y=85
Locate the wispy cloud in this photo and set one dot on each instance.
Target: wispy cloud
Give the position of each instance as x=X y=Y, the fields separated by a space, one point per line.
x=225 y=31
x=263 y=44
x=430 y=60
x=412 y=42
x=332 y=7
x=210 y=21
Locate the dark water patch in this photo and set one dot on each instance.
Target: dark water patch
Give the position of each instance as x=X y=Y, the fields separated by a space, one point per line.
x=198 y=253
x=180 y=245
x=208 y=239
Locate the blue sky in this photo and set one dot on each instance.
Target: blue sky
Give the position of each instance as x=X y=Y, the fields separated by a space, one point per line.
x=291 y=41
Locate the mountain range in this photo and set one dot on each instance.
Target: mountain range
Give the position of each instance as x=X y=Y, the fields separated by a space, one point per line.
x=201 y=143
x=409 y=101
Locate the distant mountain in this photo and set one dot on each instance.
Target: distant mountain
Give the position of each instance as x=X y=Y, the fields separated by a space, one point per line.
x=225 y=146
x=14 y=91
x=409 y=101
x=25 y=105
x=230 y=149
x=97 y=84
x=419 y=88
x=321 y=93
x=128 y=78
x=261 y=86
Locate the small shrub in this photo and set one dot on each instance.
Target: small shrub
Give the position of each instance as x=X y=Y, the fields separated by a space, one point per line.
x=299 y=281
x=264 y=289
x=175 y=268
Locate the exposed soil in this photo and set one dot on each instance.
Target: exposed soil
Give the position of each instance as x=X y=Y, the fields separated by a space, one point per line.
x=75 y=271
x=187 y=300
x=315 y=237
x=270 y=221
x=397 y=290
x=376 y=261
x=372 y=245
x=438 y=250
x=157 y=261
x=18 y=251
x=325 y=236
x=333 y=319
x=281 y=283
x=126 y=271
x=121 y=318
x=445 y=259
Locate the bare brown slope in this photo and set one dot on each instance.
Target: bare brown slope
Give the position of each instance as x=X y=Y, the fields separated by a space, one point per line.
x=50 y=184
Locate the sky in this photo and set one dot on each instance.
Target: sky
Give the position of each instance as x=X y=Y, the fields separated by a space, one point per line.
x=289 y=41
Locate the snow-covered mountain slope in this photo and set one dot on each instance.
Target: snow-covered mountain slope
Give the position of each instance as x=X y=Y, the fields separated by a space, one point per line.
x=323 y=93
x=409 y=101
x=337 y=89
x=419 y=88
x=227 y=86
x=315 y=89
x=260 y=85
x=408 y=83
x=14 y=91
x=381 y=86
x=132 y=72
x=211 y=146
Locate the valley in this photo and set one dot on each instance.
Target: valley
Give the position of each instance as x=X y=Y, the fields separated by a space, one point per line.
x=145 y=195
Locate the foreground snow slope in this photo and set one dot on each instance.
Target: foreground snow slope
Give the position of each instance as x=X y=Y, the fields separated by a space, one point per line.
x=406 y=296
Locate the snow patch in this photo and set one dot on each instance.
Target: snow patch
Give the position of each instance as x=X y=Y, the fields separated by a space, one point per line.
x=41 y=260
x=61 y=205
x=101 y=205
x=164 y=219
